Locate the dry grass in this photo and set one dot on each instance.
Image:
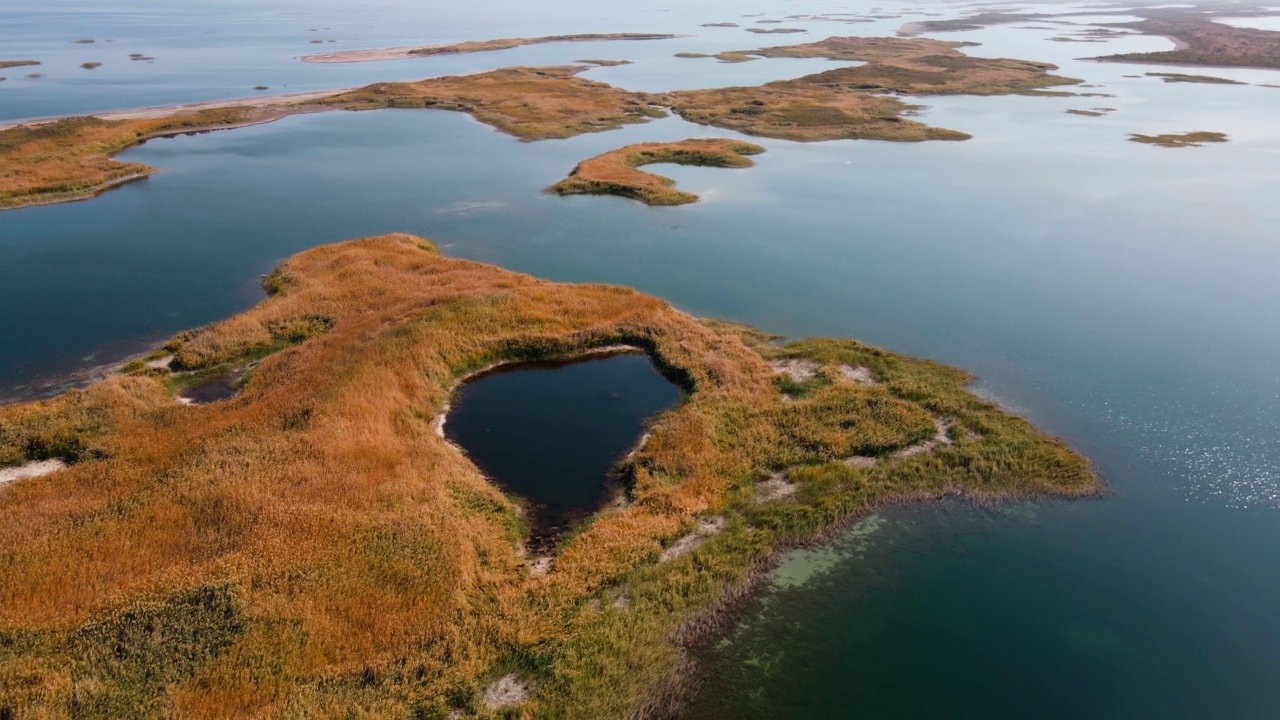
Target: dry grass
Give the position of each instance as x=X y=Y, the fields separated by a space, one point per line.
x=615 y=173
x=313 y=548
x=802 y=111
x=850 y=102
x=17 y=63
x=530 y=103
x=70 y=159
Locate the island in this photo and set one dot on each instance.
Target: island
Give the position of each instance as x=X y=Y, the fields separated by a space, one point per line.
x=616 y=173
x=312 y=543
x=71 y=158
x=1180 y=140
x=472 y=46
x=17 y=63
x=605 y=63
x=1201 y=79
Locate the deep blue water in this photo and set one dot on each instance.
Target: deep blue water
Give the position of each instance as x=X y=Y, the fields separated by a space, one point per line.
x=1120 y=295
x=551 y=433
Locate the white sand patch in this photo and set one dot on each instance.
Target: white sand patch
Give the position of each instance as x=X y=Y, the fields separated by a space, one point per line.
x=30 y=470
x=775 y=488
x=861 y=374
x=798 y=370
x=540 y=566
x=939 y=438
x=507 y=691
x=688 y=543
x=161 y=364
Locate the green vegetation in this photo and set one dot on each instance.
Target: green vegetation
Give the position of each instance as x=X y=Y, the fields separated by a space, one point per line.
x=312 y=547
x=615 y=172
x=1179 y=140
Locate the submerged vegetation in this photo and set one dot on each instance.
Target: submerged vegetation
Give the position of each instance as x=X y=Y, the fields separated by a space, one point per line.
x=616 y=173
x=1179 y=140
x=312 y=547
x=1184 y=78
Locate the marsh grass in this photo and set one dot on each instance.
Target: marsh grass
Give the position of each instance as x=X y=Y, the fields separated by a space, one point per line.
x=311 y=547
x=1180 y=140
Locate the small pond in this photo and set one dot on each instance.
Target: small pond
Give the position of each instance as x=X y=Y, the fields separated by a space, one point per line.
x=552 y=432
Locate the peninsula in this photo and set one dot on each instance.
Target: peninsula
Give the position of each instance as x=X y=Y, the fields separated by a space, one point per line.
x=616 y=173
x=312 y=545
x=70 y=158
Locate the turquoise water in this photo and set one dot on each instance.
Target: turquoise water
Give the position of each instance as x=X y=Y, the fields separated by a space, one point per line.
x=1120 y=295
x=551 y=433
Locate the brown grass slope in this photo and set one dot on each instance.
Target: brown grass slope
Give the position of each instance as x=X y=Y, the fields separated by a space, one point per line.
x=311 y=547
x=616 y=173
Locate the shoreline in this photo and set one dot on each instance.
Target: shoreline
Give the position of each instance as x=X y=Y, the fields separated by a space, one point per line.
x=703 y=628
x=155 y=112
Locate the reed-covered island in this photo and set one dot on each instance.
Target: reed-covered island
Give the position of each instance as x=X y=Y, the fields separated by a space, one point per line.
x=312 y=545
x=616 y=172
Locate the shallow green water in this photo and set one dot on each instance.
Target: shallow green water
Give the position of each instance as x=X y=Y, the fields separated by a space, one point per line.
x=1120 y=295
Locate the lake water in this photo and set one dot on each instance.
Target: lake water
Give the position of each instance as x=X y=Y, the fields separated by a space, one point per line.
x=551 y=433
x=1120 y=295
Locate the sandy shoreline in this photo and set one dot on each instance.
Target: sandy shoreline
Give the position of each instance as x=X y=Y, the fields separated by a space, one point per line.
x=152 y=112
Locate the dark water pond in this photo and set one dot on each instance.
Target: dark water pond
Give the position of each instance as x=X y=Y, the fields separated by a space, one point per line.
x=552 y=432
